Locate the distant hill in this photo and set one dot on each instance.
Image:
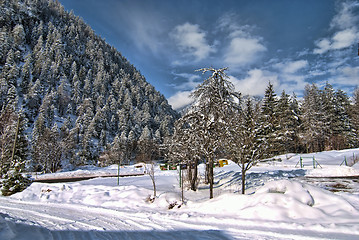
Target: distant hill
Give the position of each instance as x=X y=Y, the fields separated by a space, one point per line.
x=67 y=80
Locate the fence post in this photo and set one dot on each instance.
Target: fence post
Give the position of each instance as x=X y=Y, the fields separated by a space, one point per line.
x=301 y=162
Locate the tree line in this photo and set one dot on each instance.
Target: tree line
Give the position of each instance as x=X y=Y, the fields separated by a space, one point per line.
x=224 y=124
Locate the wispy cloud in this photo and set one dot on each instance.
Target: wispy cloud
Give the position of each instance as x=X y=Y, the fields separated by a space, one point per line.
x=191 y=41
x=290 y=67
x=346 y=76
x=243 y=49
x=186 y=81
x=144 y=26
x=345 y=17
x=344 y=23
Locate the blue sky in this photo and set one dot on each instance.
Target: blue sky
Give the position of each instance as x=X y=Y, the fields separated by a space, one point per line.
x=288 y=42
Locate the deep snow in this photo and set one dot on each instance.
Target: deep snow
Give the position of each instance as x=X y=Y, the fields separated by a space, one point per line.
x=281 y=203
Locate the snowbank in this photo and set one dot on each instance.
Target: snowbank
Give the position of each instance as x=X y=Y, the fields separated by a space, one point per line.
x=333 y=171
x=335 y=157
x=87 y=171
x=282 y=201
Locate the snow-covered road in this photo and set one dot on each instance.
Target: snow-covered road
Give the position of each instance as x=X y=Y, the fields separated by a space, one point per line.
x=75 y=221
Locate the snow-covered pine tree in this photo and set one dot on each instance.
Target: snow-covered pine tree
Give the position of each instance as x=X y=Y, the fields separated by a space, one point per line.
x=354 y=114
x=287 y=124
x=328 y=102
x=14 y=152
x=243 y=143
x=215 y=100
x=269 y=122
x=344 y=133
x=296 y=124
x=313 y=126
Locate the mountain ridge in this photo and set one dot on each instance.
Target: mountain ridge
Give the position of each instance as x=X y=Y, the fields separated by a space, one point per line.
x=65 y=78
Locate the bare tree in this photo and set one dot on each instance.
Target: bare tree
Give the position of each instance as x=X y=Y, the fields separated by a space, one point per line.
x=48 y=151
x=148 y=152
x=185 y=147
x=150 y=170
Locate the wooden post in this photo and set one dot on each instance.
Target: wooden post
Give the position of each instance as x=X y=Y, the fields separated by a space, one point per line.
x=301 y=162
x=182 y=189
x=118 y=174
x=17 y=132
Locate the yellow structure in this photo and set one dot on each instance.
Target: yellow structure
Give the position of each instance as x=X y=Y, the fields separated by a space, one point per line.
x=222 y=162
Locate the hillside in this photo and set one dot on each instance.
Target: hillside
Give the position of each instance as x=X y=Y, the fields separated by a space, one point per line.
x=70 y=87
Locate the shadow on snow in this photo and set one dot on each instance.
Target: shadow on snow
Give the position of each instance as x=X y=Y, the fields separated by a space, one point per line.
x=10 y=230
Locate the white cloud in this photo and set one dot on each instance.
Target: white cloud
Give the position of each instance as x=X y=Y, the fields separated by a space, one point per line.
x=345 y=38
x=323 y=46
x=243 y=48
x=345 y=17
x=255 y=83
x=191 y=40
x=340 y=40
x=345 y=23
x=243 y=51
x=180 y=99
x=346 y=76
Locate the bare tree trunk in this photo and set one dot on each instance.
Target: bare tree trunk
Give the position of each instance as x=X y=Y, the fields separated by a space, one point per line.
x=210 y=178
x=151 y=173
x=16 y=133
x=189 y=173
x=194 y=176
x=207 y=174
x=154 y=186
x=243 y=179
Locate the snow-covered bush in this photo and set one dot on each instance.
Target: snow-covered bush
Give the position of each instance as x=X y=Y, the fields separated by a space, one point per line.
x=13 y=181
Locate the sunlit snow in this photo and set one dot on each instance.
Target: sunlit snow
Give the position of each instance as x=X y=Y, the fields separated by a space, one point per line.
x=283 y=201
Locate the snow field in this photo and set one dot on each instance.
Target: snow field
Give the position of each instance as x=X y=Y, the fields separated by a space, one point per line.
x=278 y=205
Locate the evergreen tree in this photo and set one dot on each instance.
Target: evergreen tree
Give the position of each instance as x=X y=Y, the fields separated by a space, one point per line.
x=344 y=133
x=244 y=145
x=313 y=126
x=215 y=101
x=26 y=74
x=295 y=125
x=287 y=124
x=329 y=115
x=354 y=114
x=14 y=152
x=269 y=122
x=18 y=34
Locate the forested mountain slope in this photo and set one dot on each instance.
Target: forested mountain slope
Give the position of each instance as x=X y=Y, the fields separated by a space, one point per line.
x=70 y=87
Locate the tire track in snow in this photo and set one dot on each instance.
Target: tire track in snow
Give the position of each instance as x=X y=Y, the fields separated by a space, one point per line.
x=63 y=216
x=104 y=222
x=79 y=217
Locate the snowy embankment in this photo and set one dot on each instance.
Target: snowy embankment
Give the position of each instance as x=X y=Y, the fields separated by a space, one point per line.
x=280 y=206
x=92 y=172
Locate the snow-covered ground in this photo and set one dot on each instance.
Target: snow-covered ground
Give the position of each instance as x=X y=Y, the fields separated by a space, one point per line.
x=283 y=201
